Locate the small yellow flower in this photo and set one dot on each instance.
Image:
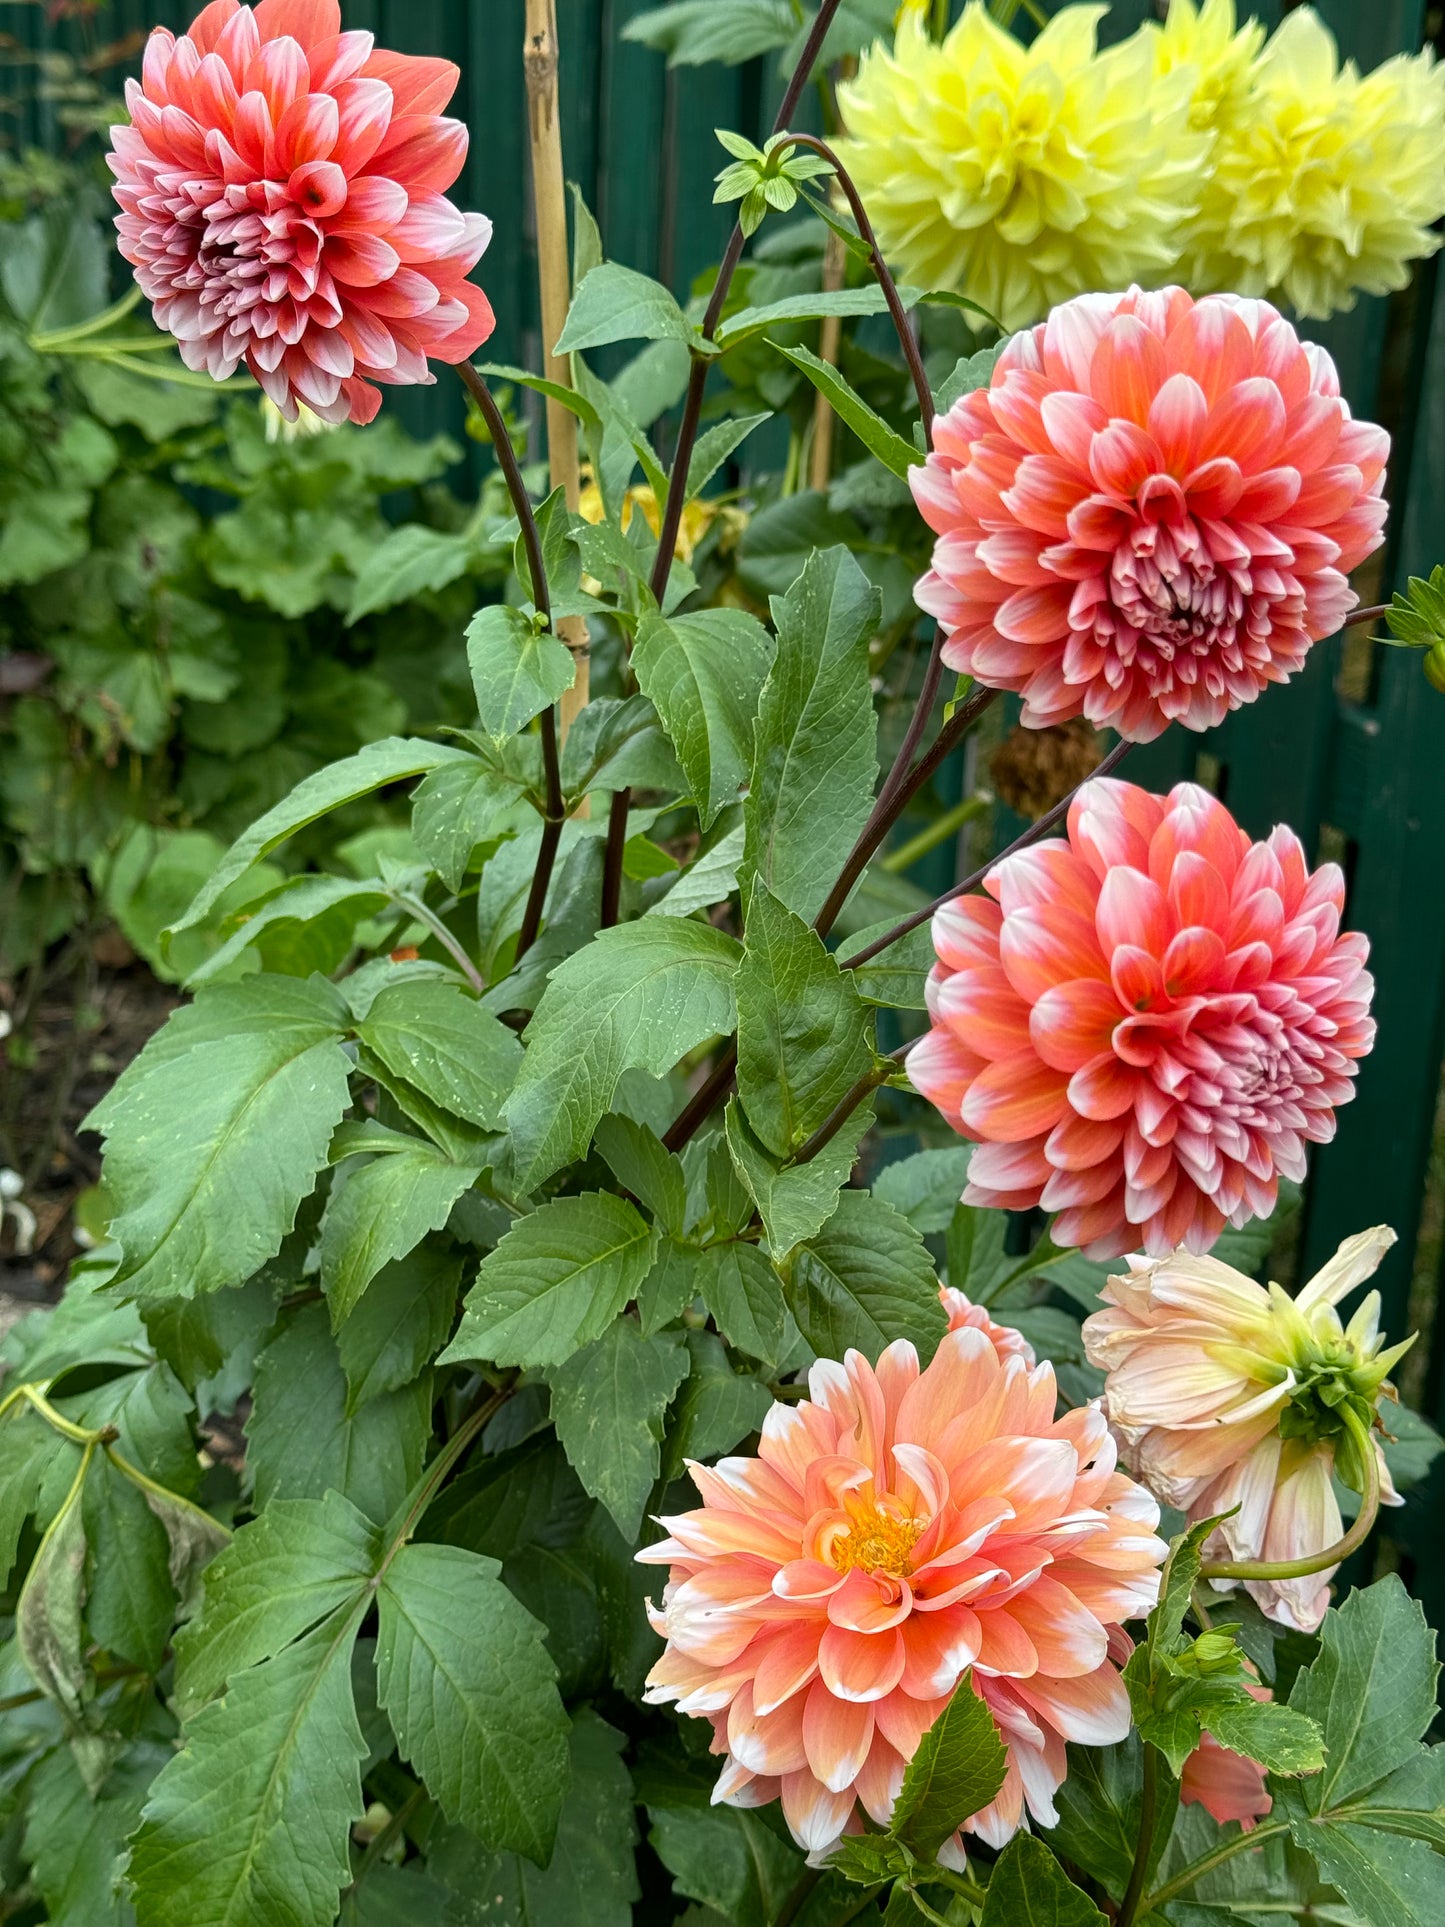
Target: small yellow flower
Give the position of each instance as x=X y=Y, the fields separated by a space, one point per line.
x=1323 y=184
x=1022 y=176
x=697 y=518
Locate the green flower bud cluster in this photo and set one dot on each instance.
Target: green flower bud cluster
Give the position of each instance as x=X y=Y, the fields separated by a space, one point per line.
x=763 y=178
x=1416 y=619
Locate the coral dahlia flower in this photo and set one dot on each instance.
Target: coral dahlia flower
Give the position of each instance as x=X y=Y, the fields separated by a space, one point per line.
x=1226 y=1394
x=1150 y=512
x=281 y=193
x=1006 y=1341
x=1144 y=1025
x=896 y=1529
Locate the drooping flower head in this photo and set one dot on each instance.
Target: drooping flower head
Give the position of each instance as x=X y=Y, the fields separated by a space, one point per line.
x=1150 y=513
x=281 y=193
x=896 y=1529
x=1321 y=183
x=1142 y=1026
x=1224 y=1393
x=1020 y=176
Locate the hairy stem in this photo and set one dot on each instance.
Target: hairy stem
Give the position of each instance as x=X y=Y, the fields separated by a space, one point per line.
x=1032 y=834
x=687 y=431
x=1334 y=1555
x=1372 y=614
x=1196 y=1870
x=555 y=812
x=1143 y=1846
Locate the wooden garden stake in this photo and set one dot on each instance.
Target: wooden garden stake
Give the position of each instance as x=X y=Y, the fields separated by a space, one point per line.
x=550 y=203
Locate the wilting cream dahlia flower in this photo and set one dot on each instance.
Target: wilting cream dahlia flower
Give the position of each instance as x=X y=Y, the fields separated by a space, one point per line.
x=1226 y=1394
x=1142 y=1027
x=1321 y=183
x=897 y=1528
x=1020 y=176
x=1150 y=513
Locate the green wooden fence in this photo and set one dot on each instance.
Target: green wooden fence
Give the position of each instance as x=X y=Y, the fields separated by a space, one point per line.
x=1352 y=753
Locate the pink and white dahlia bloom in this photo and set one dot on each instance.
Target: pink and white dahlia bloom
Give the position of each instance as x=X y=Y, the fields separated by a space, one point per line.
x=281 y=192
x=1150 y=512
x=1142 y=1026
x=898 y=1528
x=1225 y=1394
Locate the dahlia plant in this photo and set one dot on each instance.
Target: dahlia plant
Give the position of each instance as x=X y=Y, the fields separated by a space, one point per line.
x=517 y=1388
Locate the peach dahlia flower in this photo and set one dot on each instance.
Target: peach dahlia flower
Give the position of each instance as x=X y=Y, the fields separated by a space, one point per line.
x=896 y=1529
x=1142 y=1026
x=281 y=193
x=962 y=1312
x=1150 y=512
x=1225 y=1394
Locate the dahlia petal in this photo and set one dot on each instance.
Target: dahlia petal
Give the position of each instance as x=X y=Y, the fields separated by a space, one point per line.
x=862 y=1666
x=837 y=1734
x=425 y=152
x=306 y=21
x=420 y=84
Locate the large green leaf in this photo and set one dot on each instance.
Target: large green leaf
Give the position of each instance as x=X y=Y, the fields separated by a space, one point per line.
x=383 y=1210
x=411 y=560
x=958 y=1768
x=643 y=1165
x=250 y=1821
x=803 y=1030
x=517 y=669
x=591 y=1877
x=555 y=1282
x=849 y=406
x=74 y=1836
x=290 y=1567
x=741 y=1290
x=715 y=1408
x=26 y=1449
x=619 y=304
x=864 y=1280
x=926 y=1187
x=725 y=1857
x=638 y=997
x=402 y=1321
x=794 y=1200
x=459 y=806
x=441 y=1041
x=608 y=1405
x=1028 y=1888
x=302 y=1438
x=1374 y=1819
x=704 y=672
x=816 y=759
x=463 y=1673
x=693 y=32
x=216 y=1132
x=390 y=761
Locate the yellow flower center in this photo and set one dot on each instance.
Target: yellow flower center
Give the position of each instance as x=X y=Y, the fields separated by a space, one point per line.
x=877 y=1542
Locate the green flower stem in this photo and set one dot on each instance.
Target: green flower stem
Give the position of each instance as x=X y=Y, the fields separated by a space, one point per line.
x=1143 y=1846
x=1031 y=835
x=939 y=831
x=440 y=1468
x=81 y=1434
x=1197 y=1869
x=555 y=813
x=1332 y=1555
x=138 y=1478
x=414 y=907
x=56 y=340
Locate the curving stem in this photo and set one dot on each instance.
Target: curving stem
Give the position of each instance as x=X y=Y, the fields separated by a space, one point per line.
x=1334 y=1555
x=555 y=813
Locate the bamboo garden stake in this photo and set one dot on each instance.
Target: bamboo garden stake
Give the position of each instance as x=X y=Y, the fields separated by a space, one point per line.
x=540 y=58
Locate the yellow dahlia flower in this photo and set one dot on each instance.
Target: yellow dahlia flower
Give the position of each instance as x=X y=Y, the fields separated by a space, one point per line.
x=1322 y=183
x=1020 y=176
x=1220 y=58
